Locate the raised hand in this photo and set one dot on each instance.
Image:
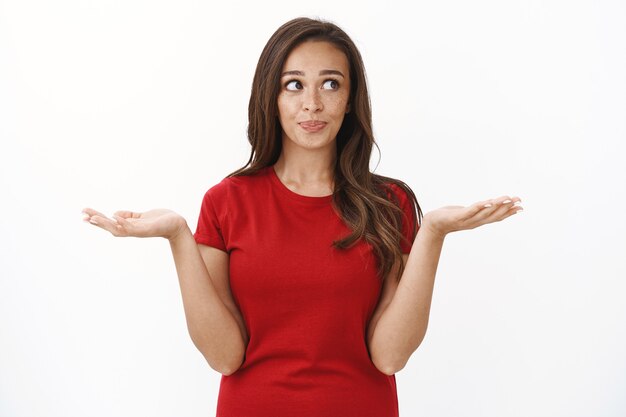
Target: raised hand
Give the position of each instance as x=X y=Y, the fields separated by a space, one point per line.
x=454 y=218
x=154 y=223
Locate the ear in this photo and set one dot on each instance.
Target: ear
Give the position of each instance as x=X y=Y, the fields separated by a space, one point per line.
x=348 y=108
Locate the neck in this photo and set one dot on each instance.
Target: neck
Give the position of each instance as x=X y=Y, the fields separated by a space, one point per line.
x=307 y=170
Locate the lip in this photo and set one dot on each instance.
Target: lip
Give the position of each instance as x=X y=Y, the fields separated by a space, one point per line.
x=312 y=125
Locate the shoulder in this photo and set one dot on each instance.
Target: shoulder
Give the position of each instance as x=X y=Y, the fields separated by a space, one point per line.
x=395 y=190
x=237 y=186
x=399 y=193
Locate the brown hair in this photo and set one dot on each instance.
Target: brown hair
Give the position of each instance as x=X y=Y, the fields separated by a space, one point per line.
x=360 y=197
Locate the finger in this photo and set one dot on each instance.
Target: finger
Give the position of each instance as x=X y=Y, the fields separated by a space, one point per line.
x=493 y=210
x=127 y=214
x=91 y=212
x=130 y=226
x=121 y=221
x=503 y=206
x=504 y=199
x=90 y=216
x=512 y=210
x=109 y=225
x=477 y=207
x=505 y=209
x=491 y=206
x=493 y=203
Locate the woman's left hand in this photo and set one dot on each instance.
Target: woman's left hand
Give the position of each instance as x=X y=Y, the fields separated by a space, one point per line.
x=454 y=218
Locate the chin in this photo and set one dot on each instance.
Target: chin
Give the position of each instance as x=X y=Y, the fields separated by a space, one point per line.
x=308 y=141
x=315 y=144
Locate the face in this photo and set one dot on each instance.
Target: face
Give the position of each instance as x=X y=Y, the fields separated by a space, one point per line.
x=314 y=95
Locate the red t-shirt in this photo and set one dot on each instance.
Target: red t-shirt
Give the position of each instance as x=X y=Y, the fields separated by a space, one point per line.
x=305 y=304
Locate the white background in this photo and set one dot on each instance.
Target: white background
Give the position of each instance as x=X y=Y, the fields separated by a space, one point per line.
x=143 y=104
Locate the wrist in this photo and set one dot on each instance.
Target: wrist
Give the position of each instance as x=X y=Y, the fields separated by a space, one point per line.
x=432 y=230
x=181 y=231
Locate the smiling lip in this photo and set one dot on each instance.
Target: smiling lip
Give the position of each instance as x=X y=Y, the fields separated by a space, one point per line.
x=313 y=126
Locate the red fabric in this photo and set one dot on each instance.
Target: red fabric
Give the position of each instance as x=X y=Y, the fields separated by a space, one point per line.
x=305 y=304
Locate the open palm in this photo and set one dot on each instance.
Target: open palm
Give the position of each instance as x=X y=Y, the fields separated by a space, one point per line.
x=153 y=223
x=454 y=218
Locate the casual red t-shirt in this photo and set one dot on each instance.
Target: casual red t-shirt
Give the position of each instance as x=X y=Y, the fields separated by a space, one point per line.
x=305 y=304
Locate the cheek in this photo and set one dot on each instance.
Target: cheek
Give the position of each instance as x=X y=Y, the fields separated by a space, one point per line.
x=286 y=108
x=337 y=105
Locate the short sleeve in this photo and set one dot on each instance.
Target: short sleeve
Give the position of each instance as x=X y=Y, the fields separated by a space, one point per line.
x=409 y=219
x=209 y=228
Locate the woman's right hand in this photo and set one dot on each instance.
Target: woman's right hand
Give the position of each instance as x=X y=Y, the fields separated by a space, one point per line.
x=154 y=223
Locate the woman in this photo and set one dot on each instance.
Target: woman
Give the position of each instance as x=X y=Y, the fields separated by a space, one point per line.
x=306 y=283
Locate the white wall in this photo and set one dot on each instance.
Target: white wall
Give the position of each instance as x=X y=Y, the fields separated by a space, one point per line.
x=143 y=104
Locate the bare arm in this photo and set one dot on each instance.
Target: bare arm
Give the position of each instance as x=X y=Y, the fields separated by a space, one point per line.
x=214 y=330
x=402 y=326
x=399 y=322
x=214 y=323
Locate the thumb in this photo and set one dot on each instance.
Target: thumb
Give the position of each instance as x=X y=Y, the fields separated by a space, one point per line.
x=120 y=220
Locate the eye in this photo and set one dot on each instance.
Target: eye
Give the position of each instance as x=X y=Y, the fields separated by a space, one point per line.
x=331 y=84
x=293 y=85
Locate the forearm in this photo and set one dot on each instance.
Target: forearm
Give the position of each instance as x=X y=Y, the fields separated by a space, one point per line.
x=403 y=324
x=212 y=327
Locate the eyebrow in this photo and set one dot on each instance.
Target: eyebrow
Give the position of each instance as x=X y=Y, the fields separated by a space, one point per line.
x=322 y=72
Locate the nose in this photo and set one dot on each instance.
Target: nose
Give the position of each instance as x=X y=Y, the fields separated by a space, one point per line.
x=312 y=101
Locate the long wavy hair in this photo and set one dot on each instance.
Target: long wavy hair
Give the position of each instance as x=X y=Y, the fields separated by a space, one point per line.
x=363 y=200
